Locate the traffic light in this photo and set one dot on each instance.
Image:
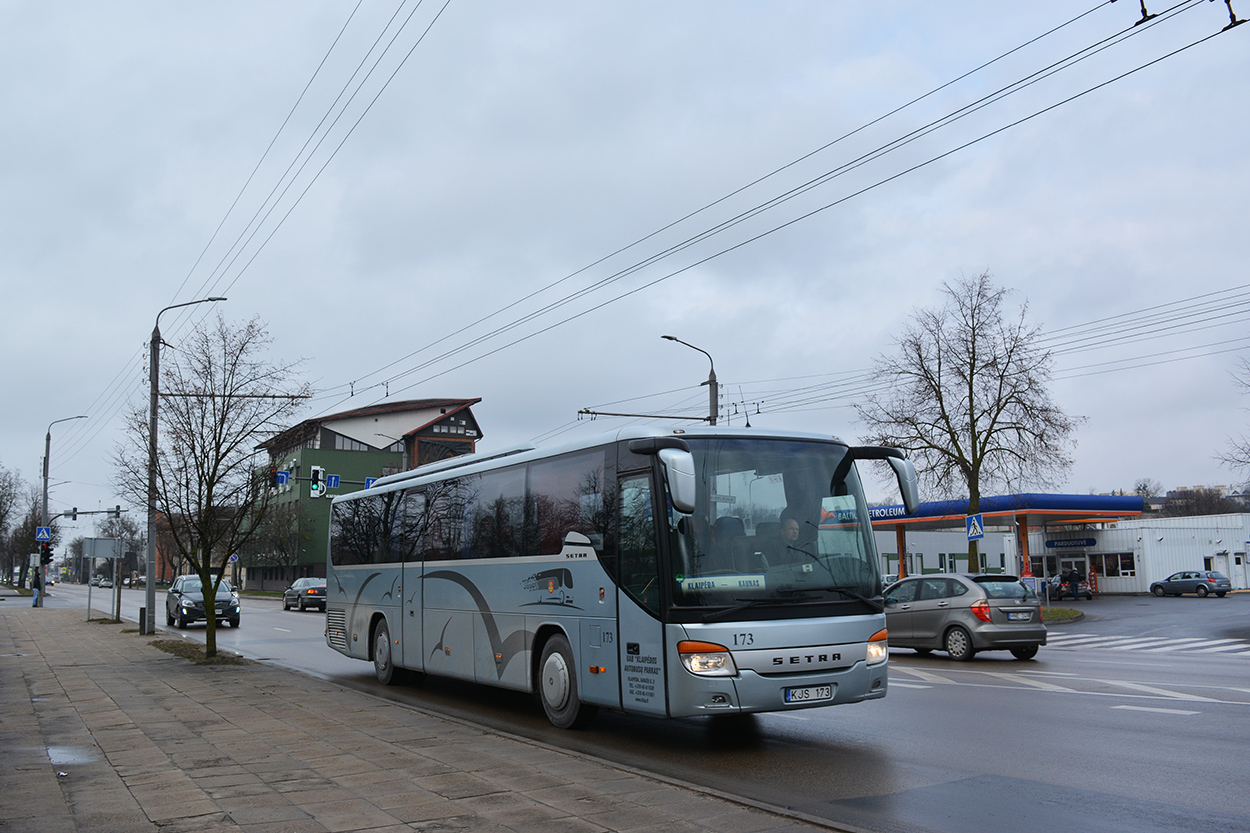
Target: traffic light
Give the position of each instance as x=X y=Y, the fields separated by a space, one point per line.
x=117 y=511
x=273 y=477
x=45 y=554
x=317 y=482
x=73 y=514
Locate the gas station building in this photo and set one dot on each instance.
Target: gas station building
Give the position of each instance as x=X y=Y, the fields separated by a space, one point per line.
x=1106 y=537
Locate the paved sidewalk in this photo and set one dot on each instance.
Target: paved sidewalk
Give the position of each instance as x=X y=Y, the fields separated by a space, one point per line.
x=101 y=732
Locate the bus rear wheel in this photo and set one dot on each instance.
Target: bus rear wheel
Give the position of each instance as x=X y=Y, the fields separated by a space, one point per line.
x=557 y=686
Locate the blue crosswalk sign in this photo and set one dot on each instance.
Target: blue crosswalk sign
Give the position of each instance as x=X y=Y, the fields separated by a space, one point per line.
x=976 y=527
x=43 y=533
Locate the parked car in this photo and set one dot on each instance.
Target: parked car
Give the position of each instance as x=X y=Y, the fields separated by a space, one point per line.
x=106 y=582
x=184 y=602
x=305 y=592
x=95 y=581
x=1202 y=582
x=965 y=614
x=1057 y=587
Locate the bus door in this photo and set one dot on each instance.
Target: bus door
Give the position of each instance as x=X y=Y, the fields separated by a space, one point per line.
x=409 y=655
x=640 y=633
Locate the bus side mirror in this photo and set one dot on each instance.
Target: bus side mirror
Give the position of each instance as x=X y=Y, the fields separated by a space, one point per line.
x=679 y=472
x=906 y=474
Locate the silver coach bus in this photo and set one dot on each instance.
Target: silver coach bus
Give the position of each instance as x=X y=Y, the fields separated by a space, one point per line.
x=667 y=573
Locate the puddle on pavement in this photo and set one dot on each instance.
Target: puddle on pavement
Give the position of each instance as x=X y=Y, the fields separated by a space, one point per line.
x=66 y=755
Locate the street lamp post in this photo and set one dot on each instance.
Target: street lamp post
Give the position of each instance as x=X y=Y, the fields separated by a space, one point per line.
x=47 y=451
x=154 y=371
x=713 y=390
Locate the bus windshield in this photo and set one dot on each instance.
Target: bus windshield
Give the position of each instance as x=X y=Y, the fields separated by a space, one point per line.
x=776 y=521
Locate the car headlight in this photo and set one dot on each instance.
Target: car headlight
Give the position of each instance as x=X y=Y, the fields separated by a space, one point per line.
x=707 y=659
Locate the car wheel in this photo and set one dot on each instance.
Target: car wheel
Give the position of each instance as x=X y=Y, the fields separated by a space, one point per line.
x=1157 y=590
x=383 y=660
x=1089 y=597
x=285 y=604
x=958 y=644
x=182 y=622
x=1025 y=652
x=1202 y=591
x=557 y=686
x=1219 y=594
x=234 y=623
x=300 y=605
x=169 y=617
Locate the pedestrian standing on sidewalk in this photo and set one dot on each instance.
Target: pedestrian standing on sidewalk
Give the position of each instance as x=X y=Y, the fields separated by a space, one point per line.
x=35 y=585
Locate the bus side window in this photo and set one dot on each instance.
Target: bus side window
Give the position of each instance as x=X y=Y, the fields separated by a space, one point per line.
x=638 y=563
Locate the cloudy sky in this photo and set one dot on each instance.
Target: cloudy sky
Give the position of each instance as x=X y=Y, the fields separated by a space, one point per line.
x=514 y=201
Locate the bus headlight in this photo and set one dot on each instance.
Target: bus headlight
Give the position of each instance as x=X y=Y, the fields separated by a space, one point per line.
x=879 y=647
x=707 y=659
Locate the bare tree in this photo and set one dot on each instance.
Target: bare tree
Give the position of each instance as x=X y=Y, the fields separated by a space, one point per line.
x=967 y=394
x=280 y=538
x=1146 y=488
x=11 y=489
x=220 y=396
x=1237 y=457
x=1203 y=500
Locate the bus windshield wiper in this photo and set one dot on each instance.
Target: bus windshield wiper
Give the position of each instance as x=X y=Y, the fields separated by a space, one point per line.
x=850 y=593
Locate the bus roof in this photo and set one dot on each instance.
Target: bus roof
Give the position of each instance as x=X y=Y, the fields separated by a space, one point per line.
x=528 y=452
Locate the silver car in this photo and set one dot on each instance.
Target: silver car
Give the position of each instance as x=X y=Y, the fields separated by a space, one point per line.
x=1202 y=582
x=964 y=614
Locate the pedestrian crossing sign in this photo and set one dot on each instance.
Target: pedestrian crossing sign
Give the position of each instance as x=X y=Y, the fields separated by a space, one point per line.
x=976 y=527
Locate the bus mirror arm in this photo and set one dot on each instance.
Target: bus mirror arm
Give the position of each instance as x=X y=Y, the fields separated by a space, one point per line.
x=904 y=470
x=679 y=472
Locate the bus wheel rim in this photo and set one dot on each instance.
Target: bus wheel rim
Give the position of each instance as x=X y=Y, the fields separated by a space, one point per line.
x=556 y=681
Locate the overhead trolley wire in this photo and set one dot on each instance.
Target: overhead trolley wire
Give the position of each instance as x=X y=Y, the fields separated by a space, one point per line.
x=707 y=233
x=808 y=214
x=116 y=400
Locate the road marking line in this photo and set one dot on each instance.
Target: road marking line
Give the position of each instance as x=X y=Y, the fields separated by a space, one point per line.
x=788 y=716
x=926 y=676
x=1021 y=680
x=1156 y=711
x=1161 y=692
x=895 y=684
x=1237 y=645
x=284 y=630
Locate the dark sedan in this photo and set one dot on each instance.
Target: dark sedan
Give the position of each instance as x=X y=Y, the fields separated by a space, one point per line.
x=1202 y=582
x=184 y=603
x=305 y=592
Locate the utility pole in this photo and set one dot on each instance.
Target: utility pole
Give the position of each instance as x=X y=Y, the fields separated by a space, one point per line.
x=154 y=385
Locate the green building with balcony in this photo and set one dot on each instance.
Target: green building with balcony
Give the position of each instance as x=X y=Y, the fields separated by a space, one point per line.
x=351 y=447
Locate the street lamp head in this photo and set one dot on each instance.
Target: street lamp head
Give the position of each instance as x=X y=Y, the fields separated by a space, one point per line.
x=670 y=338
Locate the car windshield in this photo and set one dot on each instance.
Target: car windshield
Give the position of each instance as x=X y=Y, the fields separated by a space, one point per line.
x=1217 y=575
x=195 y=586
x=775 y=521
x=1006 y=587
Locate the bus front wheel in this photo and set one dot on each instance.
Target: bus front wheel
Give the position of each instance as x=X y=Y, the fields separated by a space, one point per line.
x=557 y=686
x=383 y=660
